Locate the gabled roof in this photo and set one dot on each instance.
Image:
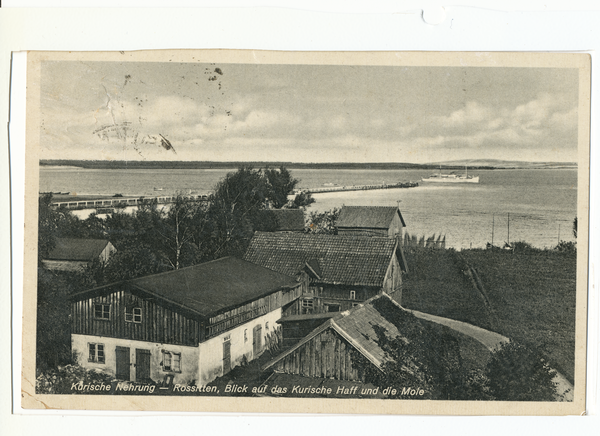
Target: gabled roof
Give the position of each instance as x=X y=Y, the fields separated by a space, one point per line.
x=84 y=250
x=346 y=260
x=208 y=288
x=288 y=220
x=372 y=217
x=359 y=327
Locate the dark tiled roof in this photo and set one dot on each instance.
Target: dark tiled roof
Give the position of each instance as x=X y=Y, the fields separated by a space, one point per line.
x=347 y=260
x=358 y=327
x=209 y=287
x=373 y=217
x=84 y=250
x=288 y=220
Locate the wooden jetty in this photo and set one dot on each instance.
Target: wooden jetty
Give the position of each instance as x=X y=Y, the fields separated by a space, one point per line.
x=356 y=188
x=121 y=202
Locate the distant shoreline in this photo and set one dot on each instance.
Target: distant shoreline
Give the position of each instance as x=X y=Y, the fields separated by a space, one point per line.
x=97 y=164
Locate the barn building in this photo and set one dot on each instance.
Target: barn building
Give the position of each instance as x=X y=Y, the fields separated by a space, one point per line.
x=347 y=345
x=342 y=271
x=76 y=254
x=191 y=324
x=371 y=221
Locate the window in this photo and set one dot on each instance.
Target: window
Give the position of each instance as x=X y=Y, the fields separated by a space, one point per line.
x=246 y=335
x=133 y=314
x=267 y=325
x=353 y=295
x=171 y=361
x=96 y=353
x=307 y=306
x=102 y=311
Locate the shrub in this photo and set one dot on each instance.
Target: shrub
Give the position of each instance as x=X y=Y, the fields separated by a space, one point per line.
x=566 y=246
x=62 y=379
x=518 y=373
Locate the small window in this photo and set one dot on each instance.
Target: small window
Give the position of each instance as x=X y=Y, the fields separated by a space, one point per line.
x=307 y=306
x=102 y=311
x=171 y=361
x=246 y=335
x=267 y=325
x=307 y=303
x=96 y=353
x=133 y=314
x=353 y=295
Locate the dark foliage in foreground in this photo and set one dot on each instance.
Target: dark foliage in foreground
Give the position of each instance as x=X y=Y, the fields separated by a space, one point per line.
x=518 y=373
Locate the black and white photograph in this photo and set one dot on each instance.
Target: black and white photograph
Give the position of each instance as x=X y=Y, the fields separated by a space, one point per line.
x=403 y=232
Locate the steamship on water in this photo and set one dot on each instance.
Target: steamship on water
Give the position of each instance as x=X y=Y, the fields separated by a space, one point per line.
x=451 y=178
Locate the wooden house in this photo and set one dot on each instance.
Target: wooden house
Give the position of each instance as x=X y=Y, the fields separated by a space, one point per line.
x=342 y=270
x=75 y=254
x=191 y=324
x=371 y=221
x=344 y=346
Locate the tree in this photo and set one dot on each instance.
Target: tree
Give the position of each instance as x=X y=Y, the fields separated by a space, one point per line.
x=234 y=211
x=425 y=356
x=53 y=341
x=281 y=184
x=323 y=222
x=519 y=373
x=302 y=199
x=177 y=232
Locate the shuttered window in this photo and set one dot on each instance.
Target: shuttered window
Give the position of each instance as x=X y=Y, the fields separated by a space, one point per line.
x=171 y=361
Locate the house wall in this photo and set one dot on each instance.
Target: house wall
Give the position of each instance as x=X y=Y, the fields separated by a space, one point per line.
x=211 y=352
x=326 y=297
x=189 y=357
x=396 y=228
x=159 y=324
x=107 y=252
x=392 y=284
x=327 y=355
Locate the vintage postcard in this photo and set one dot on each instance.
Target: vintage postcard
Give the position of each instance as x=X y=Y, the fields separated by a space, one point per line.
x=319 y=232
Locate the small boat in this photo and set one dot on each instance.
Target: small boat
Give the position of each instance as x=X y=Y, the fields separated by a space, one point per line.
x=451 y=178
x=159 y=189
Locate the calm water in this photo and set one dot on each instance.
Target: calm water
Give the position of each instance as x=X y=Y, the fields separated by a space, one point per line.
x=541 y=203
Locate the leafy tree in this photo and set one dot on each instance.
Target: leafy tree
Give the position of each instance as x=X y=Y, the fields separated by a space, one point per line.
x=519 y=373
x=323 y=222
x=281 y=184
x=55 y=223
x=53 y=342
x=302 y=199
x=234 y=211
x=426 y=356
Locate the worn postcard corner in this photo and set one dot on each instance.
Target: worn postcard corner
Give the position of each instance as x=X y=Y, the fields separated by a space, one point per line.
x=251 y=231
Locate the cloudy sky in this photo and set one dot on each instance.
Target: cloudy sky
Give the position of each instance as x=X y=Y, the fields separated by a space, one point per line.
x=304 y=113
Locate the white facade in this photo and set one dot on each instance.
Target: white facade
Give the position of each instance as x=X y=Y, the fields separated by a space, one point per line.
x=241 y=344
x=201 y=364
x=188 y=357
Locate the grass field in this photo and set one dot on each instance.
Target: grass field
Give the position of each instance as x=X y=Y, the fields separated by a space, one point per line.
x=531 y=295
x=436 y=285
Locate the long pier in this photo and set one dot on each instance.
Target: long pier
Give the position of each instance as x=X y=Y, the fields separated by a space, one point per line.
x=120 y=202
x=356 y=188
